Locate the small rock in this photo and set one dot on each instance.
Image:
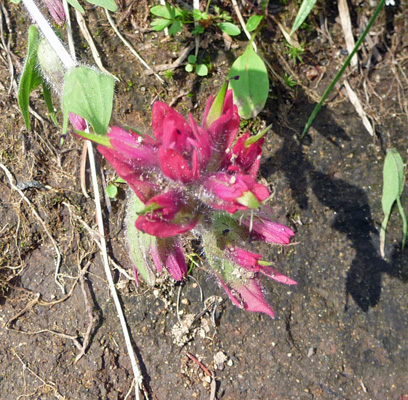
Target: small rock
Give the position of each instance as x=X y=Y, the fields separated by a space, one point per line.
x=220 y=359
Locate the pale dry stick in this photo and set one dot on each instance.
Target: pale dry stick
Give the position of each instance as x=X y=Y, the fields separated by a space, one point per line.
x=242 y=22
x=128 y=45
x=82 y=170
x=166 y=30
x=50 y=385
x=355 y=101
x=88 y=37
x=196 y=6
x=68 y=27
x=347 y=30
x=177 y=63
x=34 y=211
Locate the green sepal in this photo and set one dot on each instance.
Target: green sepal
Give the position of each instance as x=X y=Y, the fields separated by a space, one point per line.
x=255 y=138
x=139 y=243
x=217 y=106
x=249 y=200
x=149 y=208
x=100 y=139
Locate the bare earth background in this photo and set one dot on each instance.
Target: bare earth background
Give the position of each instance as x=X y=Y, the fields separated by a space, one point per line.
x=341 y=333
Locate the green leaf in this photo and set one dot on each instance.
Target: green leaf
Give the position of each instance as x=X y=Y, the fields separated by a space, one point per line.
x=108 y=4
x=111 y=190
x=189 y=68
x=48 y=102
x=252 y=88
x=119 y=180
x=393 y=185
x=229 y=28
x=15 y=1
x=304 y=11
x=159 y=24
x=139 y=243
x=202 y=70
x=175 y=28
x=253 y=22
x=76 y=5
x=192 y=59
x=163 y=11
x=197 y=15
x=30 y=78
x=197 y=30
x=88 y=94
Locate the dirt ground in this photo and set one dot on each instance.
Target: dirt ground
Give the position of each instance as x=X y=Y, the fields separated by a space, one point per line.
x=341 y=333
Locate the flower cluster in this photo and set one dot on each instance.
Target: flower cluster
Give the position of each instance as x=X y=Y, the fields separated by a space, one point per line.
x=200 y=178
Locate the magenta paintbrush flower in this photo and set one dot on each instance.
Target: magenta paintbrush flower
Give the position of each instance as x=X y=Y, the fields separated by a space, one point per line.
x=199 y=178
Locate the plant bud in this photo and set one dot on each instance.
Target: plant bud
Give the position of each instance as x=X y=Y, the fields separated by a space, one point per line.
x=50 y=65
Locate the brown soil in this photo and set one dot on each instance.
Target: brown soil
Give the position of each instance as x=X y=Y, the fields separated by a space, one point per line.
x=341 y=333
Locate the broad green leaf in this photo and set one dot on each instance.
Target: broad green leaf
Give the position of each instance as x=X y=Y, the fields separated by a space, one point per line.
x=393 y=185
x=229 y=28
x=88 y=94
x=197 y=15
x=163 y=11
x=304 y=11
x=139 y=243
x=252 y=87
x=30 y=78
x=159 y=24
x=202 y=70
x=119 y=180
x=108 y=4
x=76 y=5
x=111 y=190
x=253 y=22
x=48 y=102
x=189 y=68
x=175 y=28
x=192 y=59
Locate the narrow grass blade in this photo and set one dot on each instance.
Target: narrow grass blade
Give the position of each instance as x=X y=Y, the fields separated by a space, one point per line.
x=304 y=11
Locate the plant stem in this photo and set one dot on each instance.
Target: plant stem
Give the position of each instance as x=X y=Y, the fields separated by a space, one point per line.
x=343 y=68
x=49 y=34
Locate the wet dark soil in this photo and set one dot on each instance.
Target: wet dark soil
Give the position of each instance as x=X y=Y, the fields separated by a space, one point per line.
x=341 y=333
